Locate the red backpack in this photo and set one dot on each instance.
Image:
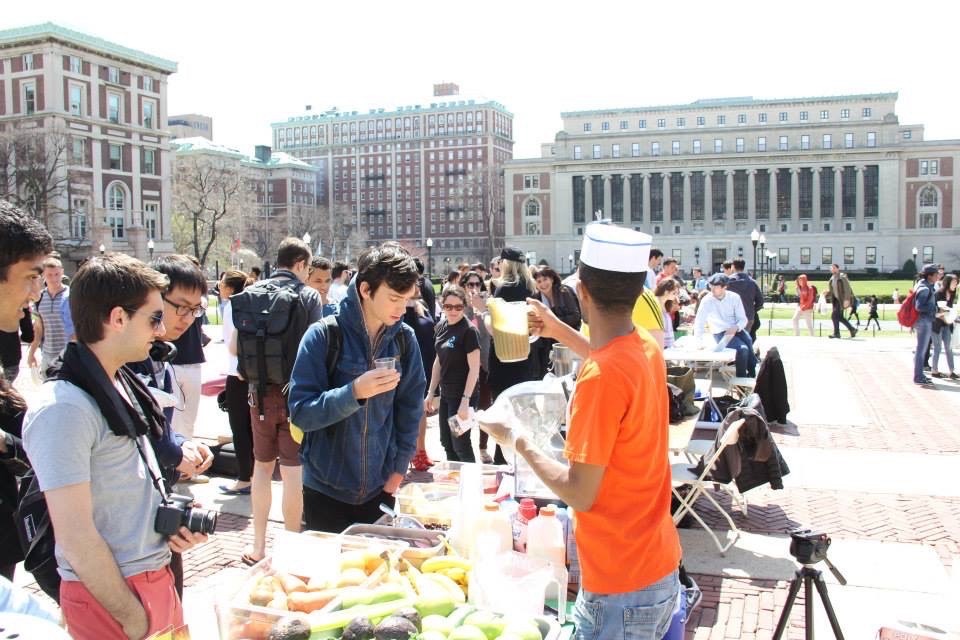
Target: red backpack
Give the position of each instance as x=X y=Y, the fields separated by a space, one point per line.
x=907 y=314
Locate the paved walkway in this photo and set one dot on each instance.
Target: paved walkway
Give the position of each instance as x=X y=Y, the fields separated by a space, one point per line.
x=874 y=460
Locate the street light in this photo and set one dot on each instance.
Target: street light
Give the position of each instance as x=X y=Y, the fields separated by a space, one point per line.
x=150 y=248
x=570 y=260
x=430 y=258
x=103 y=248
x=763 y=246
x=754 y=239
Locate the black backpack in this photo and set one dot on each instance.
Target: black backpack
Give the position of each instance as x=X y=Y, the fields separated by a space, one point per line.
x=270 y=319
x=32 y=521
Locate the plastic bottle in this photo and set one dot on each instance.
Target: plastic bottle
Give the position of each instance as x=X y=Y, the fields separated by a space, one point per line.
x=493 y=533
x=470 y=497
x=526 y=513
x=545 y=540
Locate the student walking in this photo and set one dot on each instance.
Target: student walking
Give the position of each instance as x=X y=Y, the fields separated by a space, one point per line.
x=873 y=313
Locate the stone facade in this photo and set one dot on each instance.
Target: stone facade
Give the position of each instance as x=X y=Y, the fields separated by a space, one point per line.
x=834 y=179
x=107 y=103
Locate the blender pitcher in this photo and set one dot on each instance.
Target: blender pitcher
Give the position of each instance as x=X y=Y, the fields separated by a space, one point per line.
x=511 y=337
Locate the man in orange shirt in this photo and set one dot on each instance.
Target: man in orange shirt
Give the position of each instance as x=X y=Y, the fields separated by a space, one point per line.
x=618 y=478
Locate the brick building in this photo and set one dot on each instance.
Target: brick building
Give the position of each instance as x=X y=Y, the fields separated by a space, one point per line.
x=105 y=105
x=832 y=179
x=412 y=173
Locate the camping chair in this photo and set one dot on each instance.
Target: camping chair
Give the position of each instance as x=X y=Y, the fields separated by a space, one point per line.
x=694 y=451
x=682 y=475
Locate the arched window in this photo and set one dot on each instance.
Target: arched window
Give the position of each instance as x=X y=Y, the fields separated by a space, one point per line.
x=532 y=222
x=116 y=209
x=928 y=213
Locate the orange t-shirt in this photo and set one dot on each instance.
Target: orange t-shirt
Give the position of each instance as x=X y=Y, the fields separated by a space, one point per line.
x=619 y=419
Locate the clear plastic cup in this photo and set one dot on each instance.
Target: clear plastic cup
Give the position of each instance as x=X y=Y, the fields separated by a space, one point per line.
x=385 y=363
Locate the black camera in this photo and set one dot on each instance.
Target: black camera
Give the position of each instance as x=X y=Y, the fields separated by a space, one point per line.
x=179 y=511
x=162 y=351
x=809 y=546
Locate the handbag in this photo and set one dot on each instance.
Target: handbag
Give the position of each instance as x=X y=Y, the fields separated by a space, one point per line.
x=222 y=400
x=682 y=377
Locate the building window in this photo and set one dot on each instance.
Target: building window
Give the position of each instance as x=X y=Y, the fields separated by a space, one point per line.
x=718 y=187
x=848 y=254
x=784 y=190
x=577 y=152
x=826 y=192
x=928 y=254
x=701 y=121
x=761 y=143
x=624 y=124
x=697 y=193
x=929 y=210
x=848 y=141
x=116 y=208
x=696 y=146
x=113 y=107
x=844 y=114
x=531 y=181
x=681 y=123
x=596 y=152
x=147 y=83
x=116 y=157
x=784 y=144
x=531 y=219
x=641 y=124
x=150 y=216
x=867 y=112
x=871 y=255
x=675 y=147
x=76 y=100
x=871 y=138
x=661 y=123
x=848 y=192
x=783 y=116
x=805 y=142
x=824 y=115
x=826 y=255
x=149 y=161
x=761 y=188
x=148 y=114
x=741 y=194
x=28 y=62
x=656 y=197
x=78 y=218
x=29 y=98
x=784 y=257
x=718 y=145
x=75 y=64
x=615 y=151
x=78 y=154
x=804 y=116
x=742 y=118
x=588 y=126
x=635 y=149
x=740 y=146
x=804 y=255
x=721 y=120
x=827 y=141
x=113 y=75
x=762 y=118
x=906 y=135
x=929 y=167
x=871 y=191
x=654 y=148
x=605 y=126
x=805 y=192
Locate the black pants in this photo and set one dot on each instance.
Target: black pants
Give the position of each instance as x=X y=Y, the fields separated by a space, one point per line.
x=457 y=448
x=838 y=319
x=323 y=513
x=754 y=326
x=238 y=413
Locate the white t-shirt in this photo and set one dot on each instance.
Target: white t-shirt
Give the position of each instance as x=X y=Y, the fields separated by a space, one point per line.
x=229 y=330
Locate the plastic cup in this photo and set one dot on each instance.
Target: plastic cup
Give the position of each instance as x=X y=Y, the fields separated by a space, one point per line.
x=385 y=363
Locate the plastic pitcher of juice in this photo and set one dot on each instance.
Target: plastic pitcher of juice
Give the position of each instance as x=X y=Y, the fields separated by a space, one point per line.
x=511 y=337
x=515 y=584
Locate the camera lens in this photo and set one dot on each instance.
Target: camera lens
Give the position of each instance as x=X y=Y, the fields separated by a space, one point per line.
x=201 y=521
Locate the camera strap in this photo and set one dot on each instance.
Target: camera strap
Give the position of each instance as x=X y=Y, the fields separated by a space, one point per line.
x=158 y=485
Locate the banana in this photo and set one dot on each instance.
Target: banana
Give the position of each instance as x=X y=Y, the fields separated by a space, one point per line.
x=447 y=584
x=456 y=574
x=439 y=563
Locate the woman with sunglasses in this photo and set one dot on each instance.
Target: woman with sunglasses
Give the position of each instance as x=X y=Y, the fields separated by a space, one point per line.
x=455 y=372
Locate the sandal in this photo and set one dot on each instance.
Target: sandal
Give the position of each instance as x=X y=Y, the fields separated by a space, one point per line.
x=242 y=491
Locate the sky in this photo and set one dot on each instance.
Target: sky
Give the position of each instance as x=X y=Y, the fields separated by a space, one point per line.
x=247 y=67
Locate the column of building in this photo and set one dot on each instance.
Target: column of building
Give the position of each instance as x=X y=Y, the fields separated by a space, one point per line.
x=627 y=205
x=607 y=196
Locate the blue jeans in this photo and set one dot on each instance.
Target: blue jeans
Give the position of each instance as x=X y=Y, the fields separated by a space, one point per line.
x=746 y=361
x=636 y=615
x=923 y=329
x=943 y=340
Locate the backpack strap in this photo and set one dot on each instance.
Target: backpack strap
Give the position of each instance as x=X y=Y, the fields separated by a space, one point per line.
x=334 y=344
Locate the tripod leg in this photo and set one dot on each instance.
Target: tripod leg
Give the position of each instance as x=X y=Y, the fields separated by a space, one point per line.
x=808 y=605
x=788 y=605
x=822 y=590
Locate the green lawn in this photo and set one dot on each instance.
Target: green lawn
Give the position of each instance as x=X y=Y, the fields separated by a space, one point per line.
x=862 y=288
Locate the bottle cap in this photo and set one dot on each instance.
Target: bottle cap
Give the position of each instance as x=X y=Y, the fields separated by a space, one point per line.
x=548 y=510
x=490 y=505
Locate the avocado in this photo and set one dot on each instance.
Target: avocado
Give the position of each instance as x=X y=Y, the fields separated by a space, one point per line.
x=290 y=628
x=359 y=628
x=395 y=628
x=410 y=614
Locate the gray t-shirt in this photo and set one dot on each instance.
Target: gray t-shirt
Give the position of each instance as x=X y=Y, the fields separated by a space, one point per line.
x=68 y=442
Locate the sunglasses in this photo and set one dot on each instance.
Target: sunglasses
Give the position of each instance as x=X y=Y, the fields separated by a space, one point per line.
x=473 y=284
x=453 y=307
x=155 y=320
x=183 y=310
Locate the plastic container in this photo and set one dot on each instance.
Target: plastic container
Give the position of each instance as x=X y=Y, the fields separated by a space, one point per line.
x=470 y=499
x=492 y=533
x=526 y=513
x=545 y=540
x=516 y=584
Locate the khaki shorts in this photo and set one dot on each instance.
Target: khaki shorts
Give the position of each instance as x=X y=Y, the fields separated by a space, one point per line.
x=271 y=436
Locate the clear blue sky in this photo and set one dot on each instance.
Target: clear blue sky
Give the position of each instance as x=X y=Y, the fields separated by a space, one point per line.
x=247 y=67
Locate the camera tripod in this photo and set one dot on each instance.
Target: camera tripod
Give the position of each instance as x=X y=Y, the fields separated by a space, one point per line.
x=808 y=576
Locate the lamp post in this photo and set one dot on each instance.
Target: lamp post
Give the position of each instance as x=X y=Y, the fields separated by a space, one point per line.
x=570 y=260
x=771 y=266
x=103 y=249
x=763 y=246
x=754 y=239
x=150 y=248
x=696 y=256
x=430 y=258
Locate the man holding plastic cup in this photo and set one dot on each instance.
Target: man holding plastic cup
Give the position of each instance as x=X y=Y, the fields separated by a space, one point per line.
x=618 y=478
x=360 y=419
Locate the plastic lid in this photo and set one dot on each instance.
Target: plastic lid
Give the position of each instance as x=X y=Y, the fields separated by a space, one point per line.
x=490 y=505
x=524 y=502
x=548 y=510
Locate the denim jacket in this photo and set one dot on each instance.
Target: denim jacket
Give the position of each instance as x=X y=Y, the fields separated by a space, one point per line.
x=351 y=447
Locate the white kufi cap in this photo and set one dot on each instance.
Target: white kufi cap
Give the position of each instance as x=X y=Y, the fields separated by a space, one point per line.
x=613 y=248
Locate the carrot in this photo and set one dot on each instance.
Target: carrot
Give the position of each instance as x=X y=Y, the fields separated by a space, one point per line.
x=310 y=601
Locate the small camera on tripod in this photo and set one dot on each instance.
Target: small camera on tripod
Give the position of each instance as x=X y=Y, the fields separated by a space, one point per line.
x=809 y=546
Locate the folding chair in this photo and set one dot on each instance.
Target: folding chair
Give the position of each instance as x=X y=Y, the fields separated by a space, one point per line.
x=681 y=475
x=694 y=451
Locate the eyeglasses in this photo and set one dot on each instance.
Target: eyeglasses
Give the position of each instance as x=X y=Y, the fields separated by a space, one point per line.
x=453 y=307
x=155 y=320
x=183 y=310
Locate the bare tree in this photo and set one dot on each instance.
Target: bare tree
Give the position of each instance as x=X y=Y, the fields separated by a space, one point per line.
x=341 y=237
x=209 y=196
x=481 y=192
x=33 y=170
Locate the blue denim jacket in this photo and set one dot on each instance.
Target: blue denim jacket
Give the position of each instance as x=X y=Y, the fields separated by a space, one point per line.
x=351 y=447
